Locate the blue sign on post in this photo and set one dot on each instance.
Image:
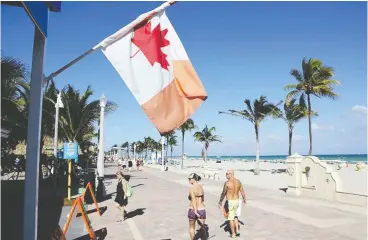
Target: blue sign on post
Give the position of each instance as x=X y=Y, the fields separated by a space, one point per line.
x=71 y=150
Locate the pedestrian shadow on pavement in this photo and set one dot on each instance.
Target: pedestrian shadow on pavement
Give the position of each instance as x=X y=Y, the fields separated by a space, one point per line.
x=202 y=235
x=113 y=176
x=100 y=235
x=226 y=226
x=109 y=176
x=132 y=214
x=137 y=185
x=102 y=210
x=138 y=177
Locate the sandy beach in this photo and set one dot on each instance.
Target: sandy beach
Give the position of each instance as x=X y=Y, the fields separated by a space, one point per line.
x=352 y=181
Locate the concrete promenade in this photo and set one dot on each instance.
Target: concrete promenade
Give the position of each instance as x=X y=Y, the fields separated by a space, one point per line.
x=158 y=211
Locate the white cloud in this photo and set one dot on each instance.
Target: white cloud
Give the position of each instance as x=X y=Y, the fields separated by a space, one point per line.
x=315 y=126
x=360 y=109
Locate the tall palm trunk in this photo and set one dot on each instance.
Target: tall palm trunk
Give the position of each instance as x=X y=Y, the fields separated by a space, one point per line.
x=310 y=125
x=171 y=148
x=205 y=152
x=167 y=146
x=182 y=150
x=256 y=170
x=290 y=138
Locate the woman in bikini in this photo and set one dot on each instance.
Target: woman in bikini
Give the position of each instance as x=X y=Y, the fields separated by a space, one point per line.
x=197 y=210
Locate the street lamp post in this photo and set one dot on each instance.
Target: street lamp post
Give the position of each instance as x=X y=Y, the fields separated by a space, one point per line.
x=58 y=104
x=134 y=147
x=162 y=153
x=100 y=160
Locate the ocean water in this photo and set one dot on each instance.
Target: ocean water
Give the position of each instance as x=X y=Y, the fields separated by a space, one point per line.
x=350 y=158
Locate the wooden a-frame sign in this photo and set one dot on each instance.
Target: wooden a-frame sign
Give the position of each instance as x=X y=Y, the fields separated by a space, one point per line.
x=89 y=186
x=78 y=202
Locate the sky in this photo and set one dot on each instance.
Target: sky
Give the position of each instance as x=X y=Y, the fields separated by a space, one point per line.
x=240 y=50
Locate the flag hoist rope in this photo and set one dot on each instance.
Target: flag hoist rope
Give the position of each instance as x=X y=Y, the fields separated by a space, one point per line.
x=142 y=19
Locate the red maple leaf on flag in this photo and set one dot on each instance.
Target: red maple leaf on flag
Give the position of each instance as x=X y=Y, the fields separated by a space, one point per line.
x=150 y=43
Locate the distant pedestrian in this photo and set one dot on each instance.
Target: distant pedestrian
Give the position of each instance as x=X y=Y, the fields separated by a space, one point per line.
x=121 y=198
x=130 y=164
x=138 y=164
x=231 y=190
x=124 y=164
x=197 y=211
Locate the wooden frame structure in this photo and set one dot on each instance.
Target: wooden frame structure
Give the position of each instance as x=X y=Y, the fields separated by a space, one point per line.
x=78 y=202
x=89 y=186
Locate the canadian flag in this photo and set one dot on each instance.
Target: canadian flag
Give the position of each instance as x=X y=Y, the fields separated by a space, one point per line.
x=152 y=61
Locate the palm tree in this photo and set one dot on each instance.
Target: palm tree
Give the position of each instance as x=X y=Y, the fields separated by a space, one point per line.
x=48 y=114
x=14 y=100
x=187 y=126
x=172 y=142
x=148 y=144
x=15 y=91
x=126 y=146
x=293 y=113
x=167 y=136
x=79 y=114
x=315 y=79
x=139 y=148
x=132 y=147
x=256 y=113
x=156 y=147
x=206 y=136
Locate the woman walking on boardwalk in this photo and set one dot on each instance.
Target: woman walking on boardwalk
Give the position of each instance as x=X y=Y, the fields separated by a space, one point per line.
x=121 y=198
x=197 y=211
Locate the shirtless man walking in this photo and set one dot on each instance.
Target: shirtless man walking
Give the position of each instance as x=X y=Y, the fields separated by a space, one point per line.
x=231 y=190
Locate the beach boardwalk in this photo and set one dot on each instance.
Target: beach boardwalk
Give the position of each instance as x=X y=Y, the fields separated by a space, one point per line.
x=159 y=205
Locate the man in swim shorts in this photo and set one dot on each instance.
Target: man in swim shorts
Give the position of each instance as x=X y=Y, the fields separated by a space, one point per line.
x=231 y=190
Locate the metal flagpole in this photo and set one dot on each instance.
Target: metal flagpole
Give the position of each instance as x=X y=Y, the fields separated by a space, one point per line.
x=134 y=24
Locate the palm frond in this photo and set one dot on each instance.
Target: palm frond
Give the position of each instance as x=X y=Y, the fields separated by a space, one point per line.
x=329 y=82
x=249 y=106
x=290 y=96
x=302 y=101
x=292 y=86
x=297 y=75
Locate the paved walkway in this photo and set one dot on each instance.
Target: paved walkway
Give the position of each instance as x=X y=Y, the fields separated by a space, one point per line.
x=158 y=211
